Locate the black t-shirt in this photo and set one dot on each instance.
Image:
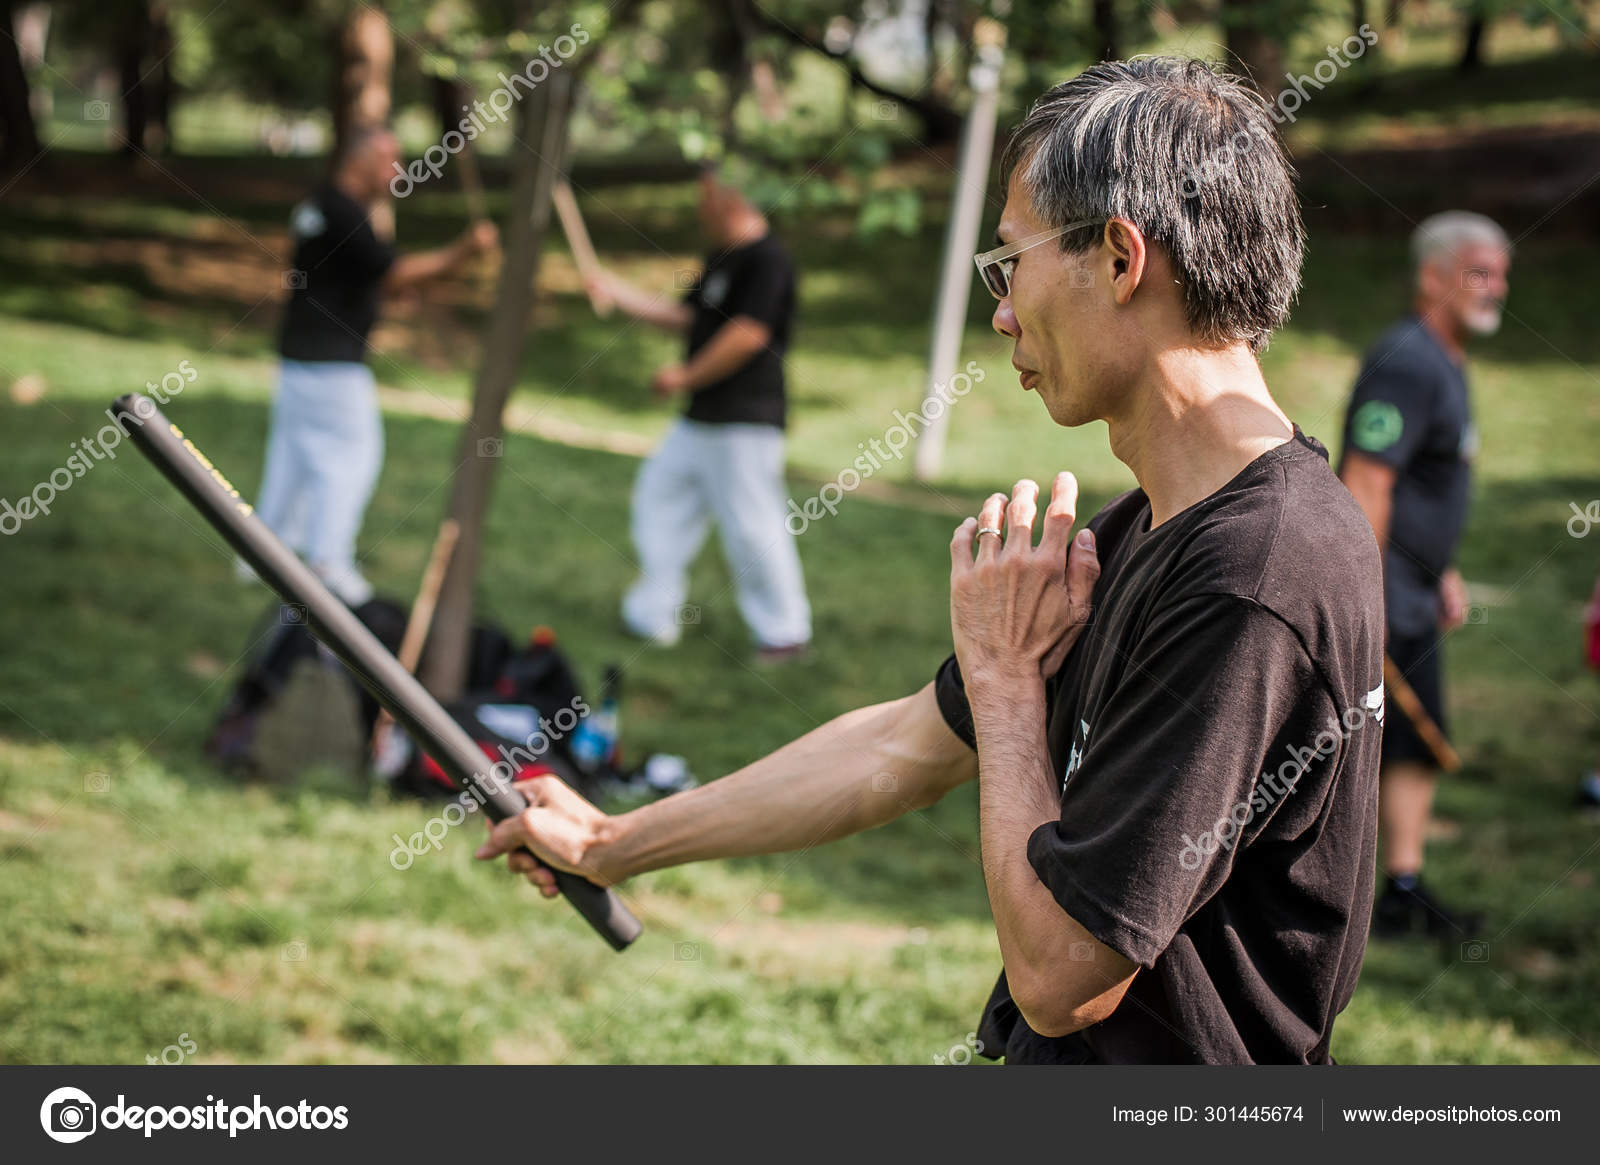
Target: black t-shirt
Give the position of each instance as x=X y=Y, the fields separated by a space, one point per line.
x=756 y=280
x=339 y=265
x=1223 y=649
x=1410 y=411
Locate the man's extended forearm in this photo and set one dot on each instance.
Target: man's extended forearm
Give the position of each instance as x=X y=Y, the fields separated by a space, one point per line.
x=1056 y=989
x=660 y=309
x=858 y=771
x=733 y=346
x=422 y=266
x=1016 y=795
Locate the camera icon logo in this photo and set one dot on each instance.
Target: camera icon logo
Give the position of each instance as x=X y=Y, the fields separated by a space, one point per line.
x=294 y=280
x=1477 y=614
x=293 y=952
x=491 y=446
x=685 y=278
x=96 y=111
x=886 y=110
x=885 y=782
x=292 y=615
x=688 y=615
x=686 y=952
x=1475 y=279
x=1475 y=951
x=68 y=1115
x=97 y=782
x=1082 y=277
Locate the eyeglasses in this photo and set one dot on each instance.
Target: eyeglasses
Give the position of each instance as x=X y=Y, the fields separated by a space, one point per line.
x=996 y=266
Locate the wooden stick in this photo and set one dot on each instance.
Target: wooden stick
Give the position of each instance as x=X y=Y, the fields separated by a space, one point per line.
x=421 y=619
x=582 y=249
x=472 y=184
x=1411 y=704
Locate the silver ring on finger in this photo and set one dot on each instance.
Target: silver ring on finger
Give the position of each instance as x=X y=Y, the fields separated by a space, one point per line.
x=989 y=530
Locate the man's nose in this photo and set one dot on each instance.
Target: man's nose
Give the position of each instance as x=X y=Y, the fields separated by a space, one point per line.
x=1004 y=320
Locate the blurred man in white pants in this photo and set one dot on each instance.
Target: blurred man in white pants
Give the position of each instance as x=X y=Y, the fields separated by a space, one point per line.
x=325 y=447
x=723 y=459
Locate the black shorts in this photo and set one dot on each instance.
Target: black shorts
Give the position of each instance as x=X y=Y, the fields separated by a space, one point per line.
x=1418 y=659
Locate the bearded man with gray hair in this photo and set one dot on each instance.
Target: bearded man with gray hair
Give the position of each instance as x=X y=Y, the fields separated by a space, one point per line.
x=1409 y=442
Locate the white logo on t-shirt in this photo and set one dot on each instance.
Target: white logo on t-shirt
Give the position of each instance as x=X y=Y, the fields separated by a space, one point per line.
x=306 y=221
x=714 y=289
x=1080 y=741
x=1375 y=702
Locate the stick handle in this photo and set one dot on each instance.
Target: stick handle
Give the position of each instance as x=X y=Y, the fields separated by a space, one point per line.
x=583 y=253
x=395 y=688
x=1411 y=704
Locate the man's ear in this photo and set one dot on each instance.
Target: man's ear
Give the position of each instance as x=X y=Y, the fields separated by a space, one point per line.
x=1434 y=280
x=1127 y=252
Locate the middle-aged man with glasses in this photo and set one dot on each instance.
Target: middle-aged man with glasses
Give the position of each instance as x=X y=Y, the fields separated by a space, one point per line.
x=1173 y=716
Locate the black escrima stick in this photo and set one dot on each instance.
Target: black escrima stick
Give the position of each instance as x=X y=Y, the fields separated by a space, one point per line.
x=396 y=689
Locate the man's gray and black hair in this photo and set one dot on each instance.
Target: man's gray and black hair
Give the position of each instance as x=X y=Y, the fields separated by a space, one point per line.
x=1190 y=156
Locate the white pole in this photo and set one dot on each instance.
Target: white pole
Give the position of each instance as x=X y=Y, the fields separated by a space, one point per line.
x=961 y=240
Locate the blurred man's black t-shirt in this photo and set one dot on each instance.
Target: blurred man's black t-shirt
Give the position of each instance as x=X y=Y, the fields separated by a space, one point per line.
x=336 y=280
x=755 y=280
x=1410 y=410
x=1216 y=731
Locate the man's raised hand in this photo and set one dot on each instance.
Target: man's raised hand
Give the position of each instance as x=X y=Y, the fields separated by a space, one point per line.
x=1016 y=608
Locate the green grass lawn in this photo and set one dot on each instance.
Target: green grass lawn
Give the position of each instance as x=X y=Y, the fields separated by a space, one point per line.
x=144 y=897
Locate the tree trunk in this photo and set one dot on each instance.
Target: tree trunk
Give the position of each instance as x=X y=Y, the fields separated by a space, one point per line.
x=19 y=139
x=133 y=47
x=1472 y=46
x=1105 y=30
x=448 y=95
x=733 y=49
x=363 y=72
x=1391 y=18
x=1252 y=47
x=159 y=84
x=32 y=26
x=542 y=118
x=362 y=76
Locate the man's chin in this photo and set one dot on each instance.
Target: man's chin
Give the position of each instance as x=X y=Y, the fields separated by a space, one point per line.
x=1064 y=413
x=1482 y=323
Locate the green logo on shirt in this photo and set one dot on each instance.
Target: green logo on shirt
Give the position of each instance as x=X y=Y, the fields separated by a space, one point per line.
x=1376 y=426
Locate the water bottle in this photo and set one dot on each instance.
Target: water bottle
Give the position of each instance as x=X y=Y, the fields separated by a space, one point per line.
x=595 y=742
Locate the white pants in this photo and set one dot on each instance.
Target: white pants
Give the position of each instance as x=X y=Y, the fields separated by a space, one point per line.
x=324 y=452
x=733 y=473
